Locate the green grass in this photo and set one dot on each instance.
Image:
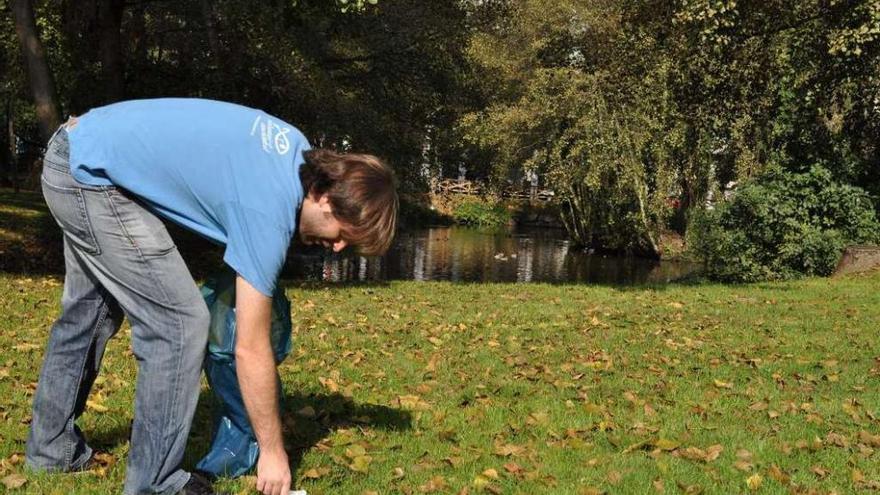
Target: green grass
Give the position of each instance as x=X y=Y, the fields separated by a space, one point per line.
x=558 y=389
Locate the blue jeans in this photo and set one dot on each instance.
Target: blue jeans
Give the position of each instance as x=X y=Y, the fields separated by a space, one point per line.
x=119 y=261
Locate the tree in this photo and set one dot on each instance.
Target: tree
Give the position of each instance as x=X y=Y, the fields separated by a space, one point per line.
x=568 y=106
x=41 y=82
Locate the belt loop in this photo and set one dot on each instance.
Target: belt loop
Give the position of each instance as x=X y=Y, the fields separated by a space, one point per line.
x=60 y=127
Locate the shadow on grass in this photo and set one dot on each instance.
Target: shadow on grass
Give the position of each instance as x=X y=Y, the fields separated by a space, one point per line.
x=332 y=412
x=301 y=431
x=30 y=240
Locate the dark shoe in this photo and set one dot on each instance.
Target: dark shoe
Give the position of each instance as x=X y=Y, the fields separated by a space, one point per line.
x=198 y=485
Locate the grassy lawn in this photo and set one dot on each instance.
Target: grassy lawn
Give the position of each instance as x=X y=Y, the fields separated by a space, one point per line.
x=503 y=388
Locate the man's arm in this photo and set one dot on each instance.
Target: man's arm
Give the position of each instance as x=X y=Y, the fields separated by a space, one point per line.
x=255 y=365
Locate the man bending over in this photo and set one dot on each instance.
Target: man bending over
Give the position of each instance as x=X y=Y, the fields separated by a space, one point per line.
x=235 y=175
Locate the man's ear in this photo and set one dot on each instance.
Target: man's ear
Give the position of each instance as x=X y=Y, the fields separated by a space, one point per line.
x=324 y=203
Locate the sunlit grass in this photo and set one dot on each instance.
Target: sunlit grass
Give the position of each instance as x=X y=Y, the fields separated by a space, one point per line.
x=549 y=389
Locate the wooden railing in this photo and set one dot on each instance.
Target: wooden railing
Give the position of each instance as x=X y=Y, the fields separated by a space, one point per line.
x=455 y=186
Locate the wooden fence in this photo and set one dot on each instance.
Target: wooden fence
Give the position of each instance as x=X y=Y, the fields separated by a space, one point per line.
x=455 y=186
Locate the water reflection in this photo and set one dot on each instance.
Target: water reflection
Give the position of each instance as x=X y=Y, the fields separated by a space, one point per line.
x=468 y=255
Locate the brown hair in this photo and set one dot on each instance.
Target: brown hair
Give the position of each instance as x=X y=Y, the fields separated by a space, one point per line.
x=362 y=192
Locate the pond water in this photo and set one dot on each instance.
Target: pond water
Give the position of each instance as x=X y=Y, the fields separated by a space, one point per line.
x=461 y=254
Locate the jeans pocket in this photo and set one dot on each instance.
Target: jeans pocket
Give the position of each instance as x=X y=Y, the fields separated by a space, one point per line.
x=68 y=206
x=144 y=229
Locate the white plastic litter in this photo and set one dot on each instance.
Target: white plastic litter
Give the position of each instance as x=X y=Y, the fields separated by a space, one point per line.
x=297 y=492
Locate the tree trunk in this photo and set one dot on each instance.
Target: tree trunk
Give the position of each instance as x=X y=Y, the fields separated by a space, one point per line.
x=42 y=85
x=9 y=152
x=210 y=17
x=110 y=46
x=221 y=83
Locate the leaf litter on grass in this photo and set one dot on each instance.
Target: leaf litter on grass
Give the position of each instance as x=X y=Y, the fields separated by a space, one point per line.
x=552 y=391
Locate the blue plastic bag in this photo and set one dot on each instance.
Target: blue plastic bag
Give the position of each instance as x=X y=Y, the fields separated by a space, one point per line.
x=234 y=449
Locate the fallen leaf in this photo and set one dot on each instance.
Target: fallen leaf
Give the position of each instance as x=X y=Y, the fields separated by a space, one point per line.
x=820 y=471
x=315 y=473
x=491 y=474
x=778 y=474
x=307 y=412
x=689 y=489
x=13 y=481
x=480 y=482
x=96 y=406
x=837 y=439
x=512 y=468
x=413 y=402
x=698 y=454
x=869 y=439
x=508 y=450
x=435 y=484
x=361 y=463
x=614 y=477
x=666 y=444
x=355 y=451
x=754 y=481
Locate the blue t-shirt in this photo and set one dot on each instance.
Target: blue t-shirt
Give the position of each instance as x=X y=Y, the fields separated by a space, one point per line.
x=224 y=171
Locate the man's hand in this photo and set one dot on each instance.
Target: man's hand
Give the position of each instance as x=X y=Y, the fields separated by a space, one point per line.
x=258 y=378
x=273 y=473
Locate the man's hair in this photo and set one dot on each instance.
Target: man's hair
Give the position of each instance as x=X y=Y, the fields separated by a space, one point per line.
x=362 y=192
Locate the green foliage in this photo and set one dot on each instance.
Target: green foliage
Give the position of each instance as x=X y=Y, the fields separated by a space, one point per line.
x=357 y=75
x=618 y=106
x=415 y=214
x=481 y=213
x=622 y=105
x=573 y=112
x=783 y=225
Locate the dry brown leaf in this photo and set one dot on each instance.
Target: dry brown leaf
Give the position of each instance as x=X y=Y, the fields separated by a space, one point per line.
x=869 y=439
x=512 y=468
x=13 y=481
x=435 y=484
x=413 y=402
x=96 y=406
x=508 y=450
x=778 y=474
x=614 y=477
x=837 y=439
x=306 y=412
x=315 y=473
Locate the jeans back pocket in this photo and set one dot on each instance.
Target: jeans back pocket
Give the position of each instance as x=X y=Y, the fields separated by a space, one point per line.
x=68 y=206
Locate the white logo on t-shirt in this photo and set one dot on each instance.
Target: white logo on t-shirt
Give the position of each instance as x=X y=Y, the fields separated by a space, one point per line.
x=273 y=137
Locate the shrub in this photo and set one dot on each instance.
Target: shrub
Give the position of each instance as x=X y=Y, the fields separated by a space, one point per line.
x=782 y=225
x=415 y=212
x=481 y=213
